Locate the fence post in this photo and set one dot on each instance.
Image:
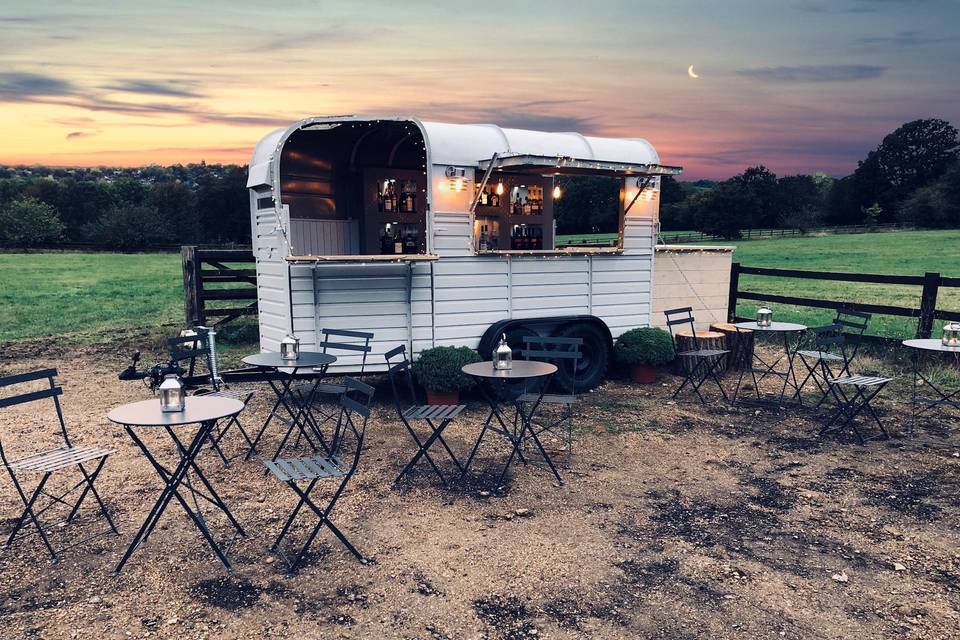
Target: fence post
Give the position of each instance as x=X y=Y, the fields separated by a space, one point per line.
x=928 y=304
x=192 y=287
x=732 y=294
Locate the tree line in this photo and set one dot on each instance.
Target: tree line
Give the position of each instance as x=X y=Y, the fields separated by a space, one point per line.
x=912 y=177
x=124 y=208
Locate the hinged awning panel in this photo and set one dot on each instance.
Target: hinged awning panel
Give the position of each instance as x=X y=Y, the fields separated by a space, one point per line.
x=562 y=165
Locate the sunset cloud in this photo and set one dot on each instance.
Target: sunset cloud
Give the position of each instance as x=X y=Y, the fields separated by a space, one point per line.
x=815 y=73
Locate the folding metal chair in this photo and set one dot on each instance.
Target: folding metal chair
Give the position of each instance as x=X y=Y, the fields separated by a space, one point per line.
x=202 y=345
x=51 y=461
x=565 y=353
x=354 y=409
x=437 y=417
x=853 y=394
x=333 y=389
x=705 y=361
x=828 y=352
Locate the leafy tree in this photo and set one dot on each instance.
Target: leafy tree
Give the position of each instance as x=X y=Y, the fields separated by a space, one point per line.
x=176 y=206
x=29 y=223
x=936 y=204
x=724 y=210
x=800 y=202
x=916 y=154
x=590 y=204
x=129 y=227
x=671 y=191
x=761 y=184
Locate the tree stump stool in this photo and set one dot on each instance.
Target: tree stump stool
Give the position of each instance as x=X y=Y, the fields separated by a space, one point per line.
x=738 y=343
x=705 y=340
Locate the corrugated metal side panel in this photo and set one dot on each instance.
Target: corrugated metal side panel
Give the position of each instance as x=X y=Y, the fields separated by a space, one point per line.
x=362 y=298
x=550 y=286
x=324 y=237
x=272 y=286
x=621 y=287
x=470 y=294
x=452 y=234
x=638 y=235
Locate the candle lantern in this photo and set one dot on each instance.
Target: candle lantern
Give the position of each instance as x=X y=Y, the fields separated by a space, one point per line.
x=290 y=348
x=503 y=356
x=764 y=317
x=172 y=396
x=951 y=335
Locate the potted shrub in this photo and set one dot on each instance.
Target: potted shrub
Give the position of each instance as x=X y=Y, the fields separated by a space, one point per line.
x=643 y=350
x=438 y=371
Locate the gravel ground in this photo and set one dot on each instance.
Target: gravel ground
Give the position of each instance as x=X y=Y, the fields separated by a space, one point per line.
x=676 y=521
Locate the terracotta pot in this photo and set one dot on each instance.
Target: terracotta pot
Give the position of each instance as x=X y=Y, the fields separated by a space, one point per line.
x=443 y=397
x=643 y=373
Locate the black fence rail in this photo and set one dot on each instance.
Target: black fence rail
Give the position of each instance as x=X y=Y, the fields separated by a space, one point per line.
x=197 y=278
x=926 y=312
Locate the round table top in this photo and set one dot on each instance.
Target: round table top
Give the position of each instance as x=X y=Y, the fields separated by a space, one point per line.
x=273 y=360
x=147 y=413
x=930 y=344
x=774 y=326
x=521 y=369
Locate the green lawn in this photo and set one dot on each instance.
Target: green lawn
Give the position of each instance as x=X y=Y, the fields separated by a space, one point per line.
x=901 y=253
x=86 y=294
x=82 y=296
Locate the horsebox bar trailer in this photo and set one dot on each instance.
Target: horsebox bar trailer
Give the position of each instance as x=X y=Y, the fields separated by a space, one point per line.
x=431 y=234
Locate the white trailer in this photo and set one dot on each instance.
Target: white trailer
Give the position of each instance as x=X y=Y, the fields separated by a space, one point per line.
x=432 y=234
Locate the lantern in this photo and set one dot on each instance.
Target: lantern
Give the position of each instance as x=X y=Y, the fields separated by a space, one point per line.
x=503 y=356
x=290 y=348
x=172 y=397
x=764 y=317
x=951 y=335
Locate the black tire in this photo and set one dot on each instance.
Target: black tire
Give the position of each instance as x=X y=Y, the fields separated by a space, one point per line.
x=592 y=368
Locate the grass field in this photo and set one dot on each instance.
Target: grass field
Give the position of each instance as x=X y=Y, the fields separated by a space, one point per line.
x=80 y=296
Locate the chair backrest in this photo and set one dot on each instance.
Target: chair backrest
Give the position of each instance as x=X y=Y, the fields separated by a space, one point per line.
x=563 y=352
x=852 y=322
x=681 y=316
x=189 y=348
x=830 y=339
x=53 y=392
x=400 y=372
x=340 y=345
x=354 y=413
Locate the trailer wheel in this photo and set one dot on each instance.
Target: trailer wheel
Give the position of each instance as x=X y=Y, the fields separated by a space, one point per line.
x=592 y=368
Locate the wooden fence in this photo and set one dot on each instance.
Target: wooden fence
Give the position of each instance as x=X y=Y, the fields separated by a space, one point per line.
x=930 y=284
x=197 y=293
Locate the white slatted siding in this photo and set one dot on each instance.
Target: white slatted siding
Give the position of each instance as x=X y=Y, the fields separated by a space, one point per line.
x=324 y=237
x=452 y=234
x=273 y=296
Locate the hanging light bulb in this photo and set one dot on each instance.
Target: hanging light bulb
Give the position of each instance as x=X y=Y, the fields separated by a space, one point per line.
x=557 y=192
x=500 y=187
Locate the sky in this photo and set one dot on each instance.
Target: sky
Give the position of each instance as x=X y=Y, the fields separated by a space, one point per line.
x=797 y=85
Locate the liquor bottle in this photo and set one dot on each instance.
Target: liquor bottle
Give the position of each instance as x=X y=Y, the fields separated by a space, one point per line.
x=397 y=241
x=385 y=239
x=538 y=238
x=526 y=207
x=391 y=204
x=484 y=244
x=494 y=199
x=410 y=245
x=412 y=199
x=379 y=197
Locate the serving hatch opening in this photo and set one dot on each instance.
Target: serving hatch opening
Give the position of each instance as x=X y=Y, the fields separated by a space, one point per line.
x=356 y=188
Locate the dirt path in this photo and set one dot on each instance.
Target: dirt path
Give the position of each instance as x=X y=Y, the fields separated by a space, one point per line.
x=675 y=522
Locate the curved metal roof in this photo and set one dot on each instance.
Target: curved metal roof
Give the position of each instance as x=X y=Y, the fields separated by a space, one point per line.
x=470 y=144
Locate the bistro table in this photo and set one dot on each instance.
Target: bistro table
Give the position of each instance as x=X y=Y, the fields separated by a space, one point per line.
x=203 y=411
x=785 y=330
x=286 y=371
x=919 y=348
x=504 y=386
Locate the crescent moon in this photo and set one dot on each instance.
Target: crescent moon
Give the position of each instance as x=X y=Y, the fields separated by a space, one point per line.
x=691 y=73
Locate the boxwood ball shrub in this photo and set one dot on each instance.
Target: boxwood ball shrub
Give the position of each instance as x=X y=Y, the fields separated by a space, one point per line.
x=649 y=346
x=438 y=368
